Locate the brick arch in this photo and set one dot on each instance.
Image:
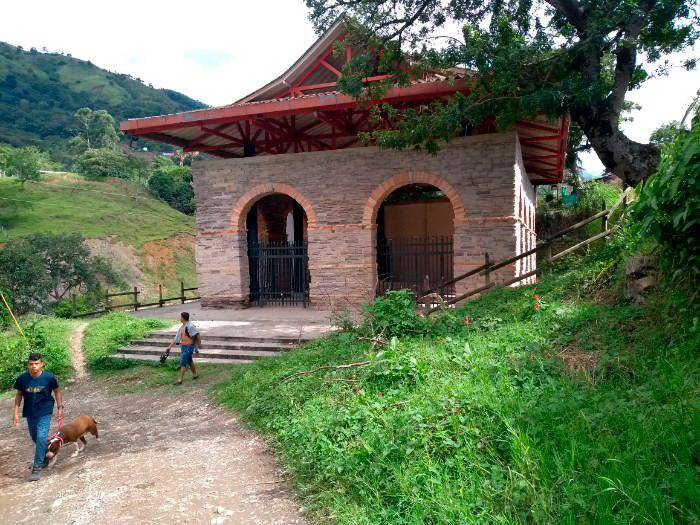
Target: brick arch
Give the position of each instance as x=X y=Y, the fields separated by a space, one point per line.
x=381 y=192
x=246 y=201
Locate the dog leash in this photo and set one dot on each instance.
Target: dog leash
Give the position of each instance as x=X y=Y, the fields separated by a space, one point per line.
x=55 y=434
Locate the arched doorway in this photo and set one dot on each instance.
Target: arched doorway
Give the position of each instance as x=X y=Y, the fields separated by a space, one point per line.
x=415 y=248
x=276 y=231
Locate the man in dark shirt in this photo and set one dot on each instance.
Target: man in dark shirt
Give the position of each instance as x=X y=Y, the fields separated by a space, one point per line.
x=35 y=388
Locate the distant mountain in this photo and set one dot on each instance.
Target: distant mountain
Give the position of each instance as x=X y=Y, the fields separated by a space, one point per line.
x=39 y=92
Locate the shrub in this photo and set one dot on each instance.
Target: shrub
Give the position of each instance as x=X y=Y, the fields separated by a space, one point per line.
x=42 y=268
x=394 y=315
x=5 y=318
x=669 y=204
x=23 y=163
x=48 y=337
x=102 y=163
x=106 y=335
x=173 y=185
x=23 y=275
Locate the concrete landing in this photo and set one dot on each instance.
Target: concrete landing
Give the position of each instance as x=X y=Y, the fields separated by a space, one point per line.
x=263 y=323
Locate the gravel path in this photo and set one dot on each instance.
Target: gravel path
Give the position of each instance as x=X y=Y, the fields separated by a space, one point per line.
x=166 y=455
x=76 y=351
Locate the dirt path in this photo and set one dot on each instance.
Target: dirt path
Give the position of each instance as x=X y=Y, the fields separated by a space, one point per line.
x=76 y=351
x=166 y=455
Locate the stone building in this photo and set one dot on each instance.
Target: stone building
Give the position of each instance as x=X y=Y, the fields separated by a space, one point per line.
x=296 y=210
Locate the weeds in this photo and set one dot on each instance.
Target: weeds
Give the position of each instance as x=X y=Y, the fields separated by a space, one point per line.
x=106 y=335
x=484 y=423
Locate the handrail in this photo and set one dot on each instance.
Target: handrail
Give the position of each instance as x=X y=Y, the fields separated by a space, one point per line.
x=523 y=276
x=490 y=267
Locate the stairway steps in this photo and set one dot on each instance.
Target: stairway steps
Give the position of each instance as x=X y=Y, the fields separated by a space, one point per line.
x=221 y=345
x=204 y=353
x=155 y=358
x=162 y=336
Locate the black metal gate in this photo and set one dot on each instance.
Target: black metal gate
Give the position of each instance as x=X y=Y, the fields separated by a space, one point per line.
x=416 y=264
x=279 y=273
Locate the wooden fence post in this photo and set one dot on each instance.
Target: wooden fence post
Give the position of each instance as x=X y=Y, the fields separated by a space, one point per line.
x=605 y=217
x=160 y=295
x=74 y=309
x=548 y=252
x=182 y=292
x=487 y=271
x=136 y=298
x=106 y=299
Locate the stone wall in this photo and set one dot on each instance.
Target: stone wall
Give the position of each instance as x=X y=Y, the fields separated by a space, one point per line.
x=341 y=192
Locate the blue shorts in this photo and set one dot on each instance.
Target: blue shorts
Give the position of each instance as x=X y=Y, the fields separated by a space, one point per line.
x=186 y=355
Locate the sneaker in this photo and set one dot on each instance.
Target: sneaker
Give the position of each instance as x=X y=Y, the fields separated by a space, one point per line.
x=36 y=473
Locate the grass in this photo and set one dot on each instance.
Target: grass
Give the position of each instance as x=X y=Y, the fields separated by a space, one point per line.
x=49 y=336
x=69 y=204
x=144 y=376
x=107 y=334
x=582 y=412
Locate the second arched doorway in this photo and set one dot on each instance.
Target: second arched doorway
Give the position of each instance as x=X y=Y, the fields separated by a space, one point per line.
x=278 y=263
x=415 y=247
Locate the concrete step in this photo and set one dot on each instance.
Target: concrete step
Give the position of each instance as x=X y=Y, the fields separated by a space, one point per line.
x=155 y=358
x=221 y=345
x=287 y=340
x=214 y=353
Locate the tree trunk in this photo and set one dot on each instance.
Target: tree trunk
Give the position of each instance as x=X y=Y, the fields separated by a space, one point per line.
x=629 y=160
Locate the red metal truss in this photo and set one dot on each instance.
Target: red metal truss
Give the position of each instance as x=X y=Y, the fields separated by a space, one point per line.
x=301 y=111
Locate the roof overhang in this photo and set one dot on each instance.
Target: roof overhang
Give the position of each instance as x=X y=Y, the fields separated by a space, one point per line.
x=302 y=111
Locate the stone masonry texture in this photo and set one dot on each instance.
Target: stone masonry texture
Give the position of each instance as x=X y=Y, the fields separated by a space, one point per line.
x=341 y=191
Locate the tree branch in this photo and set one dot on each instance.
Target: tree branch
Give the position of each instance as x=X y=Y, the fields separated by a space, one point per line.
x=573 y=12
x=320 y=368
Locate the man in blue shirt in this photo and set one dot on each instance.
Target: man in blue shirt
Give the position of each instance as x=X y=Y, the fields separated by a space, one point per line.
x=36 y=387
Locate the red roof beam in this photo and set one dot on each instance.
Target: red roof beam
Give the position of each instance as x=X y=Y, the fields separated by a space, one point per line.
x=291 y=106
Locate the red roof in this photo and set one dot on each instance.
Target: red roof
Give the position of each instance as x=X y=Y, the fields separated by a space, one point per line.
x=302 y=111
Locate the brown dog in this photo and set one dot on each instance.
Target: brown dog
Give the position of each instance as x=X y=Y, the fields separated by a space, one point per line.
x=71 y=433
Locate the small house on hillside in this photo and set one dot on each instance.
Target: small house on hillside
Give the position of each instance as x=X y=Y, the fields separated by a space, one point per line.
x=297 y=210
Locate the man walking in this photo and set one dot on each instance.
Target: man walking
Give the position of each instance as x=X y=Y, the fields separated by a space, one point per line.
x=36 y=387
x=190 y=341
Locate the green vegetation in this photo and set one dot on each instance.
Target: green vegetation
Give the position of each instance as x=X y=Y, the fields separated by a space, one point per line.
x=669 y=206
x=106 y=335
x=23 y=163
x=50 y=337
x=172 y=184
x=68 y=204
x=582 y=412
x=577 y=57
x=553 y=215
x=40 y=92
x=103 y=163
x=41 y=270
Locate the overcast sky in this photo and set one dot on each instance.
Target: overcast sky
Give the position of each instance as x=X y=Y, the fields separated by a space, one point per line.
x=217 y=52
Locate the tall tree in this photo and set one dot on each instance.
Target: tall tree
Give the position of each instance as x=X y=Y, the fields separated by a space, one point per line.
x=94 y=130
x=556 y=56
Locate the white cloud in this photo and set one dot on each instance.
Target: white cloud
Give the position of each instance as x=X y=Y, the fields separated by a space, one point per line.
x=165 y=43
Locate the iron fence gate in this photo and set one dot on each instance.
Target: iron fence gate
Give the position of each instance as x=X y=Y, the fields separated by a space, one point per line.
x=279 y=273
x=416 y=264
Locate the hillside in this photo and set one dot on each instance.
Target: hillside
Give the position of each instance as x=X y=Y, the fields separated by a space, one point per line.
x=39 y=92
x=147 y=241
x=583 y=411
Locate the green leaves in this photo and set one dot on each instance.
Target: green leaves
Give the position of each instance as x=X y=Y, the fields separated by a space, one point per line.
x=173 y=185
x=521 y=57
x=669 y=203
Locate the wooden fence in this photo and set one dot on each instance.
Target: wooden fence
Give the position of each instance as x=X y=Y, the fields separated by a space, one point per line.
x=135 y=304
x=426 y=299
